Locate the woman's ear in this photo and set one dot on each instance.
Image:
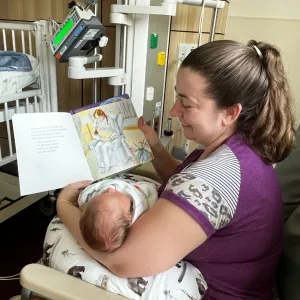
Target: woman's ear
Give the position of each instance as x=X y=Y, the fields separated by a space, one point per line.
x=231 y=114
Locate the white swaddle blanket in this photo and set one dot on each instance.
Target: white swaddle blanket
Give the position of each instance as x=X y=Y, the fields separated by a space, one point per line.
x=142 y=194
x=63 y=253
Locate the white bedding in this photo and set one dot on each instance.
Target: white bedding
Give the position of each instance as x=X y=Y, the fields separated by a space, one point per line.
x=63 y=253
x=15 y=81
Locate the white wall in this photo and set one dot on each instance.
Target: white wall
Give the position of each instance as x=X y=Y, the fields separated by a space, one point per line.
x=276 y=22
x=282 y=9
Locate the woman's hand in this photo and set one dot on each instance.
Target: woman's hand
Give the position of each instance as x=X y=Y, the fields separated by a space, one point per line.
x=150 y=134
x=71 y=192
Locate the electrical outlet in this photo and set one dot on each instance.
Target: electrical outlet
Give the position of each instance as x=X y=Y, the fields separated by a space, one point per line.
x=184 y=50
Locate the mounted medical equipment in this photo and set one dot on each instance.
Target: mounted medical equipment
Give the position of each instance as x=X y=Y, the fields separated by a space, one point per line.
x=141 y=50
x=79 y=35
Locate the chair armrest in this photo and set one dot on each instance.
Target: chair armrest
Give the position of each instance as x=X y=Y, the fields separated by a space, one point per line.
x=56 y=285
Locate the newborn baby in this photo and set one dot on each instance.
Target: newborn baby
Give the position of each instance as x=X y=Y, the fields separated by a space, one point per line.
x=110 y=207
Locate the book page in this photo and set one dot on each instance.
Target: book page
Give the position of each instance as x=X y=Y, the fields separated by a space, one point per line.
x=49 y=152
x=111 y=139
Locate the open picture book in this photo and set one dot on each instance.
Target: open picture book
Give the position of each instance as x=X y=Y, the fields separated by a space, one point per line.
x=89 y=143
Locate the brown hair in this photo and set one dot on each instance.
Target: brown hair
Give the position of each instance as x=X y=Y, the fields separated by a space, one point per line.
x=237 y=73
x=100 y=113
x=100 y=231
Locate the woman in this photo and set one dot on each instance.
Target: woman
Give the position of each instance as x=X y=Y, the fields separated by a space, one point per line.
x=221 y=208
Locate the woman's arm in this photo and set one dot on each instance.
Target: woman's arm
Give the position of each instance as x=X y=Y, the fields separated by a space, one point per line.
x=159 y=239
x=163 y=162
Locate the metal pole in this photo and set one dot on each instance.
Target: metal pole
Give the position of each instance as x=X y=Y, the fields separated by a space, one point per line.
x=95 y=80
x=214 y=24
x=26 y=294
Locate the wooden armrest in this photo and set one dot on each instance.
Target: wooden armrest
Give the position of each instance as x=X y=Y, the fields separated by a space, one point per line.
x=56 y=285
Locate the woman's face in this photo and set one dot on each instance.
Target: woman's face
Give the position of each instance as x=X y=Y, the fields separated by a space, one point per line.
x=201 y=119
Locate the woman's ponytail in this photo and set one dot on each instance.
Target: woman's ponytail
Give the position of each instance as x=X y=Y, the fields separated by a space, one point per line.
x=273 y=132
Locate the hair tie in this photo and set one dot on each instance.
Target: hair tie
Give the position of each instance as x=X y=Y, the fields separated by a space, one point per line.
x=258 y=52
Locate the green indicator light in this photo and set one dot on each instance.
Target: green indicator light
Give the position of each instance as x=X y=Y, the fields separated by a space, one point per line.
x=61 y=35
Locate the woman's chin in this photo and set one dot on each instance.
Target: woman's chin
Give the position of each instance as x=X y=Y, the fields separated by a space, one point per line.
x=188 y=132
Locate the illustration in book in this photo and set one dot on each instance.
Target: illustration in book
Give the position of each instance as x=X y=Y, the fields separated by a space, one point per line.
x=110 y=137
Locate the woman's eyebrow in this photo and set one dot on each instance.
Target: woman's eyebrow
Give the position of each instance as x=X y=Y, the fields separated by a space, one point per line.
x=183 y=95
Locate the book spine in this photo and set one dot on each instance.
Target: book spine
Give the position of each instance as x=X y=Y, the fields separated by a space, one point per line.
x=111 y=100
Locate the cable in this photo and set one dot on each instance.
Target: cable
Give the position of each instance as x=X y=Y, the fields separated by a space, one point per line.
x=201 y=21
x=9 y=279
x=5 y=277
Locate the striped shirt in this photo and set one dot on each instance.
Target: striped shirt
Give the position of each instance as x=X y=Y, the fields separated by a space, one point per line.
x=236 y=199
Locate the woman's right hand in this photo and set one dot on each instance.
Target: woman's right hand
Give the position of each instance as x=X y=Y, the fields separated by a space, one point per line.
x=70 y=193
x=150 y=134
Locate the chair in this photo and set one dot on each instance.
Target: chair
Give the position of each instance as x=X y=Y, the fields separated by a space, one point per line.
x=288 y=274
x=52 y=284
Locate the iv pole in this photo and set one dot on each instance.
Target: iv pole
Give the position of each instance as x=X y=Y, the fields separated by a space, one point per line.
x=95 y=80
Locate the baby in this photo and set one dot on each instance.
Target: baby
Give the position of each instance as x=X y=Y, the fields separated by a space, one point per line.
x=110 y=207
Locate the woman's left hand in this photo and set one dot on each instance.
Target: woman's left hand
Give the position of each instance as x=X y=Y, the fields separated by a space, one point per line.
x=70 y=193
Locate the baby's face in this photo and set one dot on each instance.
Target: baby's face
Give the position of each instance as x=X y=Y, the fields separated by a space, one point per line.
x=113 y=201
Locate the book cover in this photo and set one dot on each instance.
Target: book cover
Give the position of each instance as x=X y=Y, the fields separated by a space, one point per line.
x=110 y=138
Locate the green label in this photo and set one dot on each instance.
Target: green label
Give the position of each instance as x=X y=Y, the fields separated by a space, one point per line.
x=153 y=41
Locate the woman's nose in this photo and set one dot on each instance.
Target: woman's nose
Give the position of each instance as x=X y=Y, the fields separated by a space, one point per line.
x=176 y=109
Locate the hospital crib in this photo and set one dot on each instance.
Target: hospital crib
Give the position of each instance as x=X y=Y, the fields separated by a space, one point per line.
x=29 y=93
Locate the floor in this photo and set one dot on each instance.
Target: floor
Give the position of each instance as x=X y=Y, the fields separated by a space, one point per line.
x=22 y=238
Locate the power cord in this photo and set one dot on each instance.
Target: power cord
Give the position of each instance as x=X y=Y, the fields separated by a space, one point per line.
x=11 y=277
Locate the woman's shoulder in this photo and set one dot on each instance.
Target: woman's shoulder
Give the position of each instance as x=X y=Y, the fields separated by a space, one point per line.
x=208 y=189
x=221 y=169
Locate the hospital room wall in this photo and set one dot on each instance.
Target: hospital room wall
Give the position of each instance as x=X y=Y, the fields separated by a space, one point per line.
x=184 y=29
x=273 y=21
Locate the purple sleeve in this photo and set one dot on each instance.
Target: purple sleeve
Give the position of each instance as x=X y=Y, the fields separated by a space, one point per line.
x=194 y=212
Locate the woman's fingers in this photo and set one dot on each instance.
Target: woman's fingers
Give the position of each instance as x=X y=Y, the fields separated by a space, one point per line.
x=149 y=132
x=70 y=193
x=141 y=124
x=81 y=184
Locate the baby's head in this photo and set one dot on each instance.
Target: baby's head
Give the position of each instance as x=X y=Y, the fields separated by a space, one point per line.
x=105 y=220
